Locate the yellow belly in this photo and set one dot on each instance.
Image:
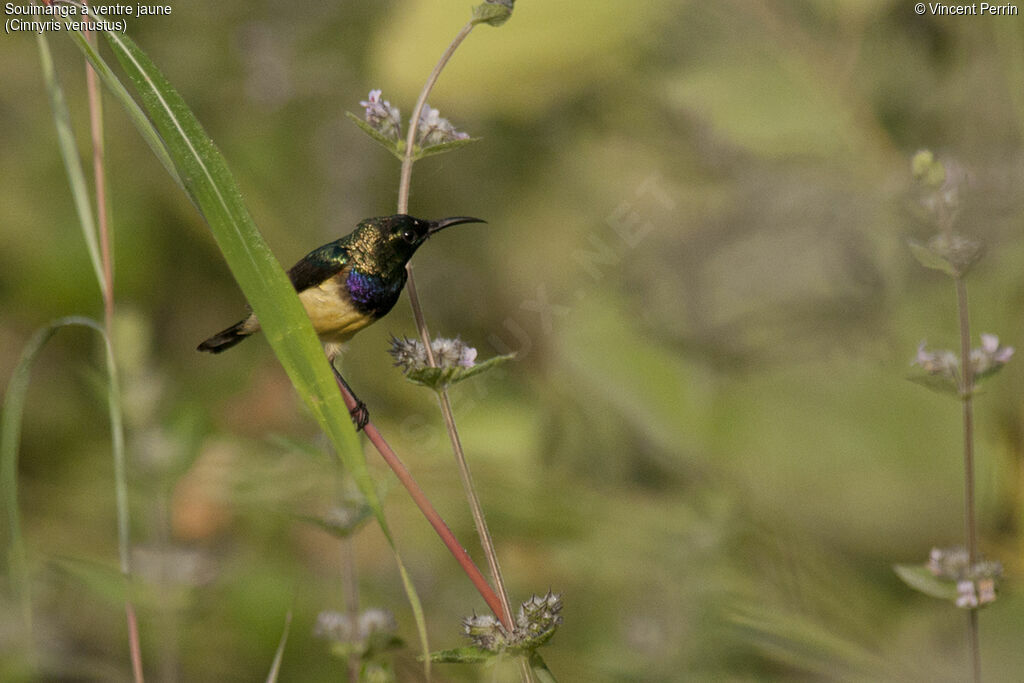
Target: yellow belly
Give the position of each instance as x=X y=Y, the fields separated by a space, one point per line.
x=334 y=319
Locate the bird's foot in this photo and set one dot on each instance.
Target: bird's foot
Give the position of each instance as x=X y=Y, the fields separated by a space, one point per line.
x=360 y=415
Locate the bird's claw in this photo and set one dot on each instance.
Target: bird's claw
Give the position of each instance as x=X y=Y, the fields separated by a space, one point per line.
x=360 y=415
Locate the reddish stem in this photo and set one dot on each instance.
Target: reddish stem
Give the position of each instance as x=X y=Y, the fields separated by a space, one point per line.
x=133 y=641
x=435 y=519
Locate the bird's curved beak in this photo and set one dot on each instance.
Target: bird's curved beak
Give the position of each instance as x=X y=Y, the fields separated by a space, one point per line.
x=438 y=225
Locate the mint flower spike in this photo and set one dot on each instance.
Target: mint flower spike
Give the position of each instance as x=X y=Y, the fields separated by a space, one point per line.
x=455 y=359
x=339 y=627
x=383 y=122
x=943 y=367
x=975 y=584
x=538 y=619
x=410 y=354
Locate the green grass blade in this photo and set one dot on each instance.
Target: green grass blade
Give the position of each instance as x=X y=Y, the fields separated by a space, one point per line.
x=275 y=667
x=10 y=440
x=72 y=162
x=417 y=611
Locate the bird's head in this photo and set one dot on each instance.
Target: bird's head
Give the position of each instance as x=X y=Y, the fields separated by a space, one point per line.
x=386 y=243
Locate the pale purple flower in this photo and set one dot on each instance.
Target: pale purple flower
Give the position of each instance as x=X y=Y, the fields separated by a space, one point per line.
x=989 y=343
x=434 y=130
x=991 y=356
x=1003 y=355
x=966 y=594
x=381 y=116
x=937 y=362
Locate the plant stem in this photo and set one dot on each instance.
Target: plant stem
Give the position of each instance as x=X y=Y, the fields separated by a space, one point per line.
x=98 y=155
x=428 y=510
x=350 y=582
x=975 y=645
x=479 y=521
x=410 y=138
x=966 y=389
x=106 y=254
x=970 y=520
x=474 y=504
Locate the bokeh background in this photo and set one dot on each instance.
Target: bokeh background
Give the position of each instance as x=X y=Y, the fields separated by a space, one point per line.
x=698 y=216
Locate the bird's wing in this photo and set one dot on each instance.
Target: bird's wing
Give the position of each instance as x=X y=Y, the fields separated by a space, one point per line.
x=319 y=265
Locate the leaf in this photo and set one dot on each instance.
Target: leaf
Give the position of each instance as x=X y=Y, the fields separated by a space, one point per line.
x=541 y=672
x=441 y=148
x=440 y=378
x=952 y=254
x=341 y=528
x=209 y=183
x=807 y=644
x=928 y=258
x=72 y=162
x=921 y=579
x=396 y=147
x=940 y=383
x=101 y=580
x=462 y=655
x=10 y=442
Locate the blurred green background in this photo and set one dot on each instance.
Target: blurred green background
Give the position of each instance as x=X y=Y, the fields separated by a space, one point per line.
x=698 y=216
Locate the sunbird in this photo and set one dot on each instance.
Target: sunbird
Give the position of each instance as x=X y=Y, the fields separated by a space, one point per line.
x=350 y=283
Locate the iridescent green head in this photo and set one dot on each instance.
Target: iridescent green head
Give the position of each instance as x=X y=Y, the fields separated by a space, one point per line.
x=383 y=245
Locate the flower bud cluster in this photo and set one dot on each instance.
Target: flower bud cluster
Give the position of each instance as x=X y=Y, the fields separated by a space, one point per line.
x=940 y=186
x=975 y=583
x=384 y=122
x=537 y=620
x=411 y=354
x=340 y=628
x=985 y=360
x=485 y=631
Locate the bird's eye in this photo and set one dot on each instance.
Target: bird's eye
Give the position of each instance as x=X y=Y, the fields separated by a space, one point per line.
x=408 y=235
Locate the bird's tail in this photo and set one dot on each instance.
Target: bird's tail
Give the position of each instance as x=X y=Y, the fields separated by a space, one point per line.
x=226 y=339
